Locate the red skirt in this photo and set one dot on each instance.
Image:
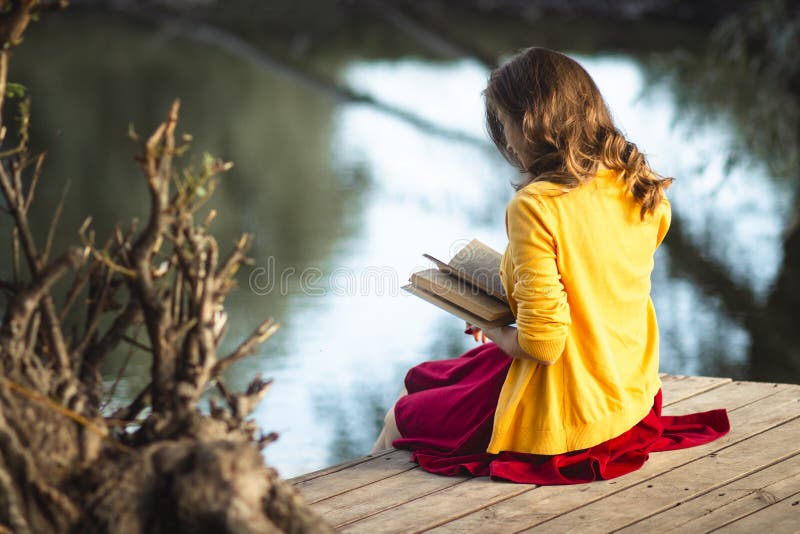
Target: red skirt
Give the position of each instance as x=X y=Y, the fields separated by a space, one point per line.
x=446 y=420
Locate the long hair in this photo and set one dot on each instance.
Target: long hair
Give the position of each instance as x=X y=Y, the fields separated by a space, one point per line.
x=566 y=125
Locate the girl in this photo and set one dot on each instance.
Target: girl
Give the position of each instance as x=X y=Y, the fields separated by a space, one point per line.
x=572 y=393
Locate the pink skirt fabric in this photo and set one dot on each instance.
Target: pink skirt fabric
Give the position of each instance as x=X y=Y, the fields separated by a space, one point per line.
x=446 y=421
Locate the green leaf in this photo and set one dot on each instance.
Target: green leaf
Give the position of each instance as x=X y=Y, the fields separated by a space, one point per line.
x=15 y=90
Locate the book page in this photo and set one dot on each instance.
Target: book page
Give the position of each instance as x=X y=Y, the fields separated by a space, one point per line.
x=442 y=266
x=479 y=264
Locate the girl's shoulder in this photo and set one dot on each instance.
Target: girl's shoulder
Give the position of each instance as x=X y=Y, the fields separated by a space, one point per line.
x=528 y=206
x=542 y=188
x=534 y=201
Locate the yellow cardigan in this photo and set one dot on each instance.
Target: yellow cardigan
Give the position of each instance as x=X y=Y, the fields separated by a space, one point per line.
x=577 y=272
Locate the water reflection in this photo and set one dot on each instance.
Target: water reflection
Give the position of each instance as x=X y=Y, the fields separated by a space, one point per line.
x=358 y=195
x=753 y=52
x=354 y=416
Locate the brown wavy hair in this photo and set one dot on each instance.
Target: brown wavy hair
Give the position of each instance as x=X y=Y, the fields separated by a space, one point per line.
x=566 y=124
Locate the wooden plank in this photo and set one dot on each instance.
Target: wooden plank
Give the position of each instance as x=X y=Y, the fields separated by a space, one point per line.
x=753 y=407
x=783 y=516
x=728 y=503
x=369 y=500
x=436 y=507
x=335 y=468
x=682 y=387
x=670 y=488
x=736 y=395
x=361 y=474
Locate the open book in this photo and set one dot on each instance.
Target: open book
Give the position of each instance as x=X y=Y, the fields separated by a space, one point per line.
x=468 y=286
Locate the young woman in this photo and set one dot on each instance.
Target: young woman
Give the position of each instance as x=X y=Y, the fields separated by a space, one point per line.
x=572 y=393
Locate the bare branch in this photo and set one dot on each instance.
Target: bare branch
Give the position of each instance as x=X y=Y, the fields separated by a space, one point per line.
x=25 y=302
x=15 y=264
x=128 y=413
x=33 y=332
x=266 y=439
x=14 y=22
x=3 y=86
x=248 y=347
x=94 y=354
x=77 y=286
x=95 y=311
x=177 y=296
x=133 y=342
x=37 y=171
x=236 y=257
x=51 y=232
x=52 y=5
x=243 y=404
x=157 y=161
x=102 y=255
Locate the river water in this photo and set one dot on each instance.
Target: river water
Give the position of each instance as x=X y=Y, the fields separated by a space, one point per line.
x=345 y=197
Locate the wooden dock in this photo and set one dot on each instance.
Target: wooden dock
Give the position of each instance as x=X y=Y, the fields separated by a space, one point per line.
x=746 y=481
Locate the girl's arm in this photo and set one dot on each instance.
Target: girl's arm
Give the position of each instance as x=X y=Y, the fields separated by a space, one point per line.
x=542 y=309
x=506 y=338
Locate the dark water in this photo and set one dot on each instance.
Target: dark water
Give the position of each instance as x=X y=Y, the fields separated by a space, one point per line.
x=344 y=197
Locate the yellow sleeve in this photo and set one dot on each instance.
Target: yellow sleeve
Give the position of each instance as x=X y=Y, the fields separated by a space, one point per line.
x=542 y=310
x=666 y=219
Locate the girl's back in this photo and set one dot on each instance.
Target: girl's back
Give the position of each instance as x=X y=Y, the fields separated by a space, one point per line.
x=577 y=270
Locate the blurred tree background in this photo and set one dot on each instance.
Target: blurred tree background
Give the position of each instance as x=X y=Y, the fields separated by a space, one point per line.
x=266 y=84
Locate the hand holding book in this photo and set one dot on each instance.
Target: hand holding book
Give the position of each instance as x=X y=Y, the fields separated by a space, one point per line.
x=475 y=331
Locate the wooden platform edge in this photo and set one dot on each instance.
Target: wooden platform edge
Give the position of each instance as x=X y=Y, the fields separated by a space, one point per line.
x=338 y=467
